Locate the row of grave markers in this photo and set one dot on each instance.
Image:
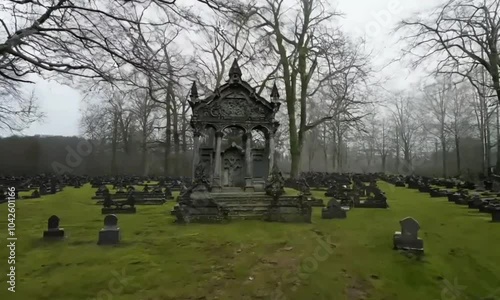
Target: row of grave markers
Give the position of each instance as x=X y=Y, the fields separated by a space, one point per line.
x=407 y=239
x=109 y=235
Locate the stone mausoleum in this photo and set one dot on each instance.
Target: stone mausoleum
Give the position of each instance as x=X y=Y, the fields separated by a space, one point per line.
x=226 y=127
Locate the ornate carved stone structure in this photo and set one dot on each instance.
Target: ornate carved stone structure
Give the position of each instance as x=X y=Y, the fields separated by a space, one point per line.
x=234 y=104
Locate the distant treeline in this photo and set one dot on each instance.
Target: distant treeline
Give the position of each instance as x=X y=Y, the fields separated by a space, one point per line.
x=32 y=155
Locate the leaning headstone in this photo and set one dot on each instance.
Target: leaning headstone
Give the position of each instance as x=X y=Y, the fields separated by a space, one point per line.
x=408 y=238
x=110 y=234
x=53 y=231
x=333 y=211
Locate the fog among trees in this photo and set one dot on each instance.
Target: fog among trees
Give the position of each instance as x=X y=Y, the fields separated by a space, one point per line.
x=135 y=62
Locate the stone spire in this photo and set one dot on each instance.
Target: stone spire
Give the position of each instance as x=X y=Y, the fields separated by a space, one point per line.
x=275 y=95
x=194 y=92
x=235 y=71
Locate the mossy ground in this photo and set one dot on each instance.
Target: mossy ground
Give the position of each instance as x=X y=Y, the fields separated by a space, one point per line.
x=328 y=259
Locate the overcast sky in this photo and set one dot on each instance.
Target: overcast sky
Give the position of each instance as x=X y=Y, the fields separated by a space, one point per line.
x=373 y=19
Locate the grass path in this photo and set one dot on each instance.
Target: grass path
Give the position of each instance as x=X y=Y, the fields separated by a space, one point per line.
x=328 y=259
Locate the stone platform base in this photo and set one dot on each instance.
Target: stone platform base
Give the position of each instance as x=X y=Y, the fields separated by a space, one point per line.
x=403 y=243
x=53 y=234
x=333 y=214
x=109 y=237
x=287 y=214
x=186 y=214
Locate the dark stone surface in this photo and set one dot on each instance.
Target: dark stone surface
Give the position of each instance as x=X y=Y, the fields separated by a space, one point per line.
x=110 y=234
x=234 y=103
x=289 y=214
x=495 y=216
x=408 y=238
x=333 y=211
x=196 y=204
x=54 y=234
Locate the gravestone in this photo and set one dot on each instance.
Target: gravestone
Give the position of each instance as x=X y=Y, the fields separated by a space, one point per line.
x=333 y=211
x=495 y=215
x=53 y=231
x=118 y=207
x=196 y=205
x=110 y=234
x=407 y=239
x=298 y=210
x=35 y=194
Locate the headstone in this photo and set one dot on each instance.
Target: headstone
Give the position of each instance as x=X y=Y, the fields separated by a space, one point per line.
x=333 y=211
x=495 y=215
x=408 y=238
x=53 y=231
x=35 y=194
x=110 y=234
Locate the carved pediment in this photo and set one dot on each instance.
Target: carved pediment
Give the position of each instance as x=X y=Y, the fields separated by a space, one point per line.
x=235 y=106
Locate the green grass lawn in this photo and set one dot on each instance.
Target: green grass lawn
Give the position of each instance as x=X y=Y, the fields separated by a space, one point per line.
x=328 y=259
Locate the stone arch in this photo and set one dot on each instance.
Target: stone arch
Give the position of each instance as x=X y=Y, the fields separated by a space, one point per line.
x=259 y=136
x=232 y=134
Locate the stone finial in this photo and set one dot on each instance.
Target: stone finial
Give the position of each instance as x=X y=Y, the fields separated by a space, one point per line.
x=194 y=92
x=276 y=183
x=275 y=95
x=235 y=71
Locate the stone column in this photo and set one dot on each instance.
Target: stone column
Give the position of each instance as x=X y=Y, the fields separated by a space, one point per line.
x=196 y=152
x=249 y=163
x=271 y=152
x=216 y=185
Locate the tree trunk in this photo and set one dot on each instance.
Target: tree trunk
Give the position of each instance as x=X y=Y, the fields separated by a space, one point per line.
x=340 y=165
x=114 y=146
x=144 y=155
x=294 y=138
x=444 y=156
x=457 y=147
x=334 y=151
x=497 y=165
x=398 y=157
x=488 y=143
x=177 y=159
x=325 y=149
x=168 y=139
x=184 y=129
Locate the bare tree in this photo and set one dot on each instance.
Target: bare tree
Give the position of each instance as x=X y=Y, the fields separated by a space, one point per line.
x=436 y=106
x=461 y=34
x=460 y=117
x=309 y=53
x=407 y=129
x=18 y=109
x=144 y=110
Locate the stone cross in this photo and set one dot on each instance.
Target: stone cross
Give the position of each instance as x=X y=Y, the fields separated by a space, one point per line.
x=53 y=223
x=110 y=222
x=409 y=227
